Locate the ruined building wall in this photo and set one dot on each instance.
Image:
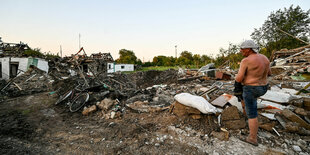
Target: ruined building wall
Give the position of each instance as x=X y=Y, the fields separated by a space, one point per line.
x=23 y=65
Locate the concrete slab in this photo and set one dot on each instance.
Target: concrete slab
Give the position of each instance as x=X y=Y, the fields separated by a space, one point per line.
x=277 y=96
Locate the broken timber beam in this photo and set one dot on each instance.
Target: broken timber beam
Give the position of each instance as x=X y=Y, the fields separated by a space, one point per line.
x=295 y=118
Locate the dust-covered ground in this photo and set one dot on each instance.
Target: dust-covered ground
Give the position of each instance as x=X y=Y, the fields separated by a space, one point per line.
x=34 y=125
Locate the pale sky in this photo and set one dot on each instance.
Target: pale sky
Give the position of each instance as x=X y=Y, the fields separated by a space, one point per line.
x=147 y=27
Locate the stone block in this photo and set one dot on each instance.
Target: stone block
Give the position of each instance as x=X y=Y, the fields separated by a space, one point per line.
x=230 y=113
x=89 y=110
x=183 y=110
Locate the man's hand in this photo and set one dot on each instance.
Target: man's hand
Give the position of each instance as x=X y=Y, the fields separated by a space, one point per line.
x=238 y=90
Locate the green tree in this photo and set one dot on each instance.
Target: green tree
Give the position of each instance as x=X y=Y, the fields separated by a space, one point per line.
x=127 y=57
x=163 y=61
x=139 y=62
x=229 y=57
x=147 y=64
x=293 y=20
x=205 y=59
x=197 y=60
x=159 y=60
x=186 y=58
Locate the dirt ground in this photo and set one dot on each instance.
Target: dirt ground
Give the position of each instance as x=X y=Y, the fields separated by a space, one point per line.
x=34 y=125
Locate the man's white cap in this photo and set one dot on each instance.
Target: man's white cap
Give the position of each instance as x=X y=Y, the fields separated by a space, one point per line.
x=250 y=44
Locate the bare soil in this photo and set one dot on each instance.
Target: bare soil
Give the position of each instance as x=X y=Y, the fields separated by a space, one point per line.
x=34 y=125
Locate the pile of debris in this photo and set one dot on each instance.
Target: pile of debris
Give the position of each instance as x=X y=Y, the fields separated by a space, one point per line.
x=13 y=49
x=292 y=64
x=32 y=81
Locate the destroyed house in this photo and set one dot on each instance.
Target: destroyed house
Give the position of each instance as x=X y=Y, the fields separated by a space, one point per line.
x=14 y=62
x=113 y=67
x=296 y=55
x=102 y=63
x=95 y=63
x=11 y=67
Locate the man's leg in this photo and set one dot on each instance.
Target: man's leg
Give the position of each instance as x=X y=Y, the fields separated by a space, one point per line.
x=253 y=125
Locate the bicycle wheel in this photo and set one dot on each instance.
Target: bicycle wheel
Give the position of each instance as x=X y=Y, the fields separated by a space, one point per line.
x=79 y=101
x=63 y=97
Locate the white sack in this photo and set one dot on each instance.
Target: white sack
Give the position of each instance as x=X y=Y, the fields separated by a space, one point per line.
x=197 y=102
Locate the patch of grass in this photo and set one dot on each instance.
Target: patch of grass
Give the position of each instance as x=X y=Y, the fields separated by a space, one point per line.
x=160 y=68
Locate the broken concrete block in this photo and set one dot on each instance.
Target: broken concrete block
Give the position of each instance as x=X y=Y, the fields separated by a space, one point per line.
x=89 y=110
x=231 y=118
x=295 y=118
x=230 y=113
x=235 y=124
x=105 y=104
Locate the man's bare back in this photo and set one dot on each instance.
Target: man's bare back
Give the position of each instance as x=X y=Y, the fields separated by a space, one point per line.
x=254 y=70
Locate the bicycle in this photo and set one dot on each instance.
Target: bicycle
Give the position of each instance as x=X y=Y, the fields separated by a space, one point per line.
x=77 y=97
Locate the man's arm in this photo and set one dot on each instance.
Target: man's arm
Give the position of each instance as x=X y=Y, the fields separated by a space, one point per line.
x=241 y=72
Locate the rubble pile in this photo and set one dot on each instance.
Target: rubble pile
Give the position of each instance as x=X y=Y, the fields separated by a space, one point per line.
x=13 y=49
x=292 y=64
x=32 y=81
x=59 y=68
x=206 y=106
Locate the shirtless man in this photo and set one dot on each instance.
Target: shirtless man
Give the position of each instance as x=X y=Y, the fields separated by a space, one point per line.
x=253 y=72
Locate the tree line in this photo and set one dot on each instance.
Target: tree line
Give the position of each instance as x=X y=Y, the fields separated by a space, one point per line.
x=271 y=36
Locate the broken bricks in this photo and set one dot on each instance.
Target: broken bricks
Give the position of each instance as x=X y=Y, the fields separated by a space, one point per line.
x=89 y=110
x=105 y=104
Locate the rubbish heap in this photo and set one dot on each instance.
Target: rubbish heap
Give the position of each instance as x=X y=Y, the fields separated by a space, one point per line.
x=203 y=94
